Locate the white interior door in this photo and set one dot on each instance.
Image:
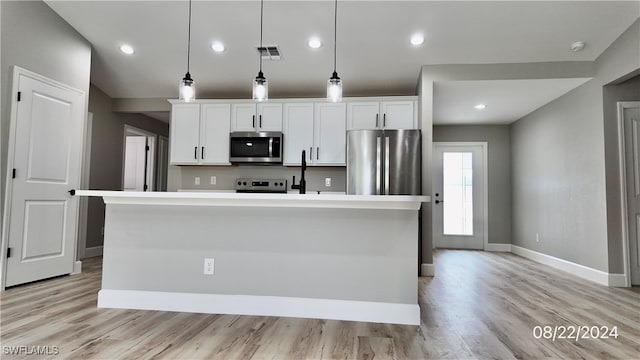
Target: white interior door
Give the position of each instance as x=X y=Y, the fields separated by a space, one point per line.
x=458 y=198
x=46 y=155
x=135 y=163
x=631 y=117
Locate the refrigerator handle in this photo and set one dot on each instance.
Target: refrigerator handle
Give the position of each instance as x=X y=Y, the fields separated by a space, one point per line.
x=386 y=165
x=378 y=165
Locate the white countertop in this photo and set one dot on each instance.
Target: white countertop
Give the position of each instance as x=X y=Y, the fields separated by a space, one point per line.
x=311 y=200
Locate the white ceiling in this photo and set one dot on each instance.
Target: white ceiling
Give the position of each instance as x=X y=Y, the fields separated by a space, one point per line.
x=374 y=53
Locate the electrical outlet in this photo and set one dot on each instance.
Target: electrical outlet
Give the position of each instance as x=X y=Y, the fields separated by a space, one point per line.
x=209 y=266
x=327 y=182
x=537 y=237
x=197 y=180
x=214 y=180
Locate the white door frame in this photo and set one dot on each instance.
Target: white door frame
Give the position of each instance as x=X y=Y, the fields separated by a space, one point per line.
x=151 y=142
x=624 y=210
x=6 y=216
x=84 y=184
x=485 y=179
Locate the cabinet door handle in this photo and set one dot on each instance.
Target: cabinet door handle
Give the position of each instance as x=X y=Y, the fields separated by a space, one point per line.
x=377 y=116
x=260 y=121
x=195 y=153
x=310 y=153
x=202 y=153
x=384 y=120
x=318 y=153
x=254 y=122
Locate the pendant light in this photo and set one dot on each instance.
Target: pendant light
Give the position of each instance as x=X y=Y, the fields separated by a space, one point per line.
x=260 y=84
x=334 y=85
x=187 y=89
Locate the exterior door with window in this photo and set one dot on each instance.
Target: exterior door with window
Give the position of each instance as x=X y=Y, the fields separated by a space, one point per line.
x=458 y=196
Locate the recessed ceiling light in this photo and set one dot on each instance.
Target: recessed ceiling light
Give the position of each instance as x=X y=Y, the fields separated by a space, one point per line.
x=314 y=43
x=127 y=49
x=417 y=39
x=217 y=46
x=480 y=107
x=577 y=46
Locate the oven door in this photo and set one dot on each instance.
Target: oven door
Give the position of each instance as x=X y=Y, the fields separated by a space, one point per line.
x=252 y=147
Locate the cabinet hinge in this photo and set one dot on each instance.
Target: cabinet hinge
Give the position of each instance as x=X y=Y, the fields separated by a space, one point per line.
x=13 y=174
x=8 y=252
x=19 y=95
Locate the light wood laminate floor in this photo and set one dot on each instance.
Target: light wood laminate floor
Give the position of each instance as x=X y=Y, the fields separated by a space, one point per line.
x=479 y=305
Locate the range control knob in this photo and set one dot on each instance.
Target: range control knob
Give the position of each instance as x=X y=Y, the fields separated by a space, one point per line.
x=244 y=183
x=239 y=183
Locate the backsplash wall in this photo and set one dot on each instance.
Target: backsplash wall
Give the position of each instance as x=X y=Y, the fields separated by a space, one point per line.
x=226 y=176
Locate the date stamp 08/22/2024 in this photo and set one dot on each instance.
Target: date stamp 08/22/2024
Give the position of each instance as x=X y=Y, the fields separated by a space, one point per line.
x=574 y=332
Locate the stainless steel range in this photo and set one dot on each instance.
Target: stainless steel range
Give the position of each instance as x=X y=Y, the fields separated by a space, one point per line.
x=261 y=185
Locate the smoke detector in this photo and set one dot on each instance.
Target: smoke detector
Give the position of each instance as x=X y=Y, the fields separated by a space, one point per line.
x=269 y=52
x=577 y=46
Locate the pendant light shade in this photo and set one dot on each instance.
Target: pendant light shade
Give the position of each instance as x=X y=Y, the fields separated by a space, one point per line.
x=187 y=88
x=334 y=85
x=260 y=88
x=260 y=83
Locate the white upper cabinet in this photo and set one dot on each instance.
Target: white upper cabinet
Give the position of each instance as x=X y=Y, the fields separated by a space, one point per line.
x=363 y=115
x=214 y=134
x=200 y=134
x=386 y=114
x=317 y=128
x=298 y=132
x=256 y=117
x=185 y=134
x=330 y=134
x=398 y=115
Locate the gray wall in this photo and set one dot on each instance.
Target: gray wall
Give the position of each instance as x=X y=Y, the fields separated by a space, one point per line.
x=106 y=154
x=431 y=74
x=625 y=91
x=226 y=176
x=37 y=39
x=558 y=168
x=498 y=168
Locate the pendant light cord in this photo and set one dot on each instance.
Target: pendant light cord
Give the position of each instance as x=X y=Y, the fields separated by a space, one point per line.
x=261 y=20
x=335 y=33
x=189 y=39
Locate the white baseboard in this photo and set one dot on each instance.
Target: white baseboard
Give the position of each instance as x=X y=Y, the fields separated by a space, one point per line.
x=427 y=270
x=617 y=280
x=582 y=271
x=391 y=313
x=92 y=252
x=77 y=267
x=496 y=247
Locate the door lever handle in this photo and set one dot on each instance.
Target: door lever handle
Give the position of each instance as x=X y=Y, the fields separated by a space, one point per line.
x=72 y=192
x=439 y=201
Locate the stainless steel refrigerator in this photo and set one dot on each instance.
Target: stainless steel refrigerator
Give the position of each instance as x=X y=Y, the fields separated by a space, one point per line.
x=384 y=162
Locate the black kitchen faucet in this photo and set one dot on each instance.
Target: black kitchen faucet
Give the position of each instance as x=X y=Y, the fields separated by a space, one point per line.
x=303 y=183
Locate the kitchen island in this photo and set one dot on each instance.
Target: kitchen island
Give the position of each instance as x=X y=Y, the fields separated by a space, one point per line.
x=345 y=257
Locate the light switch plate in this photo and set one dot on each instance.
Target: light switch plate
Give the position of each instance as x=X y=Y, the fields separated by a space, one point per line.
x=327 y=182
x=197 y=180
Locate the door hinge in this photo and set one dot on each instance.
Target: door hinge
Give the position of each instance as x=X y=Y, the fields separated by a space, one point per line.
x=8 y=252
x=19 y=95
x=147 y=148
x=13 y=174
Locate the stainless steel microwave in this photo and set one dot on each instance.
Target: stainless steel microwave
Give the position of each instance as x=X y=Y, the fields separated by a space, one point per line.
x=255 y=147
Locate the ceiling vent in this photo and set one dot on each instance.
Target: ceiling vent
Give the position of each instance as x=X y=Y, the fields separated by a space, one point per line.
x=269 y=52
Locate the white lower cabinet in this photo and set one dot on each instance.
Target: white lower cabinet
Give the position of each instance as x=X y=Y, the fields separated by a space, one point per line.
x=317 y=128
x=200 y=134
